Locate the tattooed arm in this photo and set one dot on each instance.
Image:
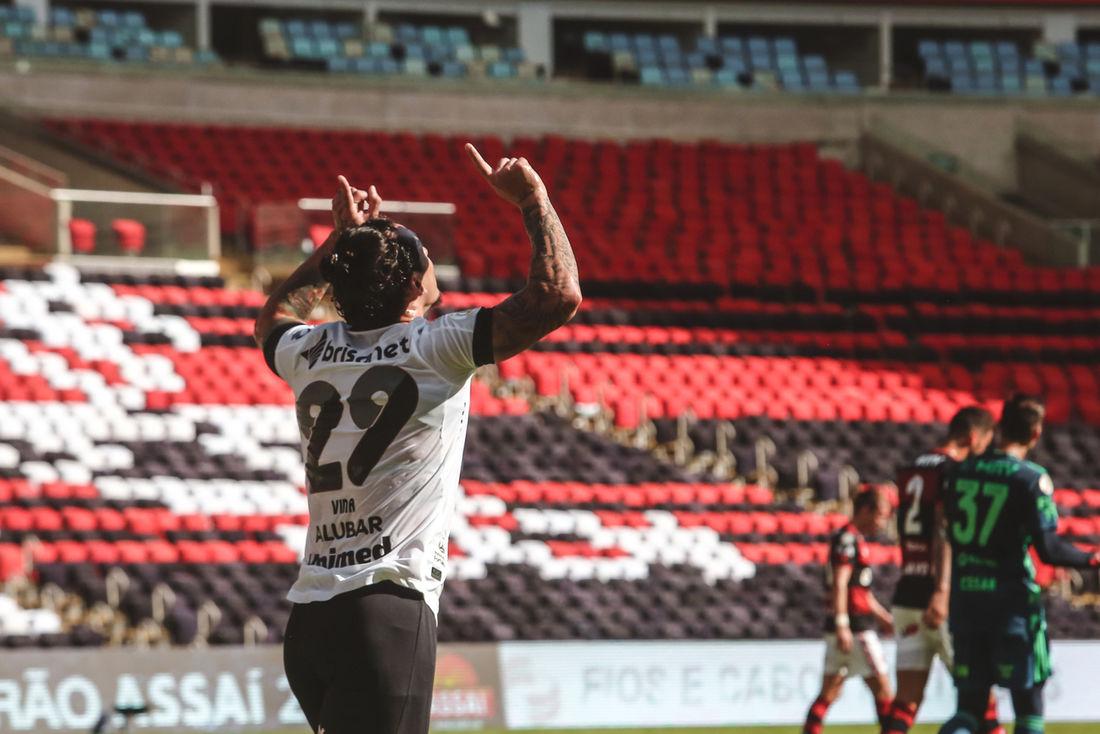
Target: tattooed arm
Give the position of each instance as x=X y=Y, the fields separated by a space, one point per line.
x=552 y=293
x=294 y=300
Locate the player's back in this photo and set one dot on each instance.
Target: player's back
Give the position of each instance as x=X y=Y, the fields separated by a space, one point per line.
x=921 y=484
x=996 y=504
x=383 y=416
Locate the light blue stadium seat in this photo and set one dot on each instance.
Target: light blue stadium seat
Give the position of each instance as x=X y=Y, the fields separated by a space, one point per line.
x=652 y=76
x=732 y=45
x=321 y=29
x=1011 y=84
x=927 y=49
x=108 y=18
x=1069 y=50
x=414 y=51
x=668 y=41
x=136 y=53
x=346 y=31
x=726 y=77
x=146 y=37
x=761 y=62
x=1092 y=66
x=99 y=50
x=935 y=67
x=958 y=65
x=1092 y=50
x=458 y=36
x=387 y=66
x=453 y=69
x=302 y=47
x=962 y=84
x=62 y=17
x=501 y=70
x=678 y=77
x=785 y=62
x=734 y=63
x=785 y=46
x=792 y=80
x=407 y=33
x=171 y=39
x=364 y=65
x=813 y=62
x=133 y=19
x=985 y=83
x=295 y=27
x=706 y=45
x=648 y=57
x=644 y=42
x=596 y=42
x=514 y=55
x=1033 y=66
x=1060 y=86
x=847 y=82
x=1007 y=50
x=378 y=49
x=620 y=42
x=328 y=48
x=981 y=50
x=954 y=49
x=206 y=56
x=432 y=35
x=696 y=60
x=817 y=81
x=984 y=65
x=16 y=29
x=339 y=64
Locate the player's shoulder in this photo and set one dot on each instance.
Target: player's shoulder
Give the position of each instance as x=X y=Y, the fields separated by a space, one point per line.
x=1035 y=476
x=846 y=536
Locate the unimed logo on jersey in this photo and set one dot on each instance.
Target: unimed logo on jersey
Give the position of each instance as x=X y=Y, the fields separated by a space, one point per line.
x=353 y=557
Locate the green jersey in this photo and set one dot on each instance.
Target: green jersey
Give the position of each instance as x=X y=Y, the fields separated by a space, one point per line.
x=997 y=505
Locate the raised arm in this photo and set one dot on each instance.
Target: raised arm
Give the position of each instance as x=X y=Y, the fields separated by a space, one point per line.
x=553 y=292
x=296 y=297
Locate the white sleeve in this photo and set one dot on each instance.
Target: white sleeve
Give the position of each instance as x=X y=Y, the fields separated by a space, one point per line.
x=457 y=344
x=282 y=347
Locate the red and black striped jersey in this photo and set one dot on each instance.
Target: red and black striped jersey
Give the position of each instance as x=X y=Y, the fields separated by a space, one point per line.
x=848 y=547
x=921 y=487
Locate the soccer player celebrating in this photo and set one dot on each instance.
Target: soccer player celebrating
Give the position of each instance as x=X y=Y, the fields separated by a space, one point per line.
x=852 y=646
x=920 y=599
x=382 y=399
x=998 y=506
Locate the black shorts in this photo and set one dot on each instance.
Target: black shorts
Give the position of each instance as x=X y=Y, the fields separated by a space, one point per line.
x=363 y=661
x=1012 y=651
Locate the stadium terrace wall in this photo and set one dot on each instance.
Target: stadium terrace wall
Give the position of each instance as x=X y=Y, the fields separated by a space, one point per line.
x=981 y=131
x=518 y=685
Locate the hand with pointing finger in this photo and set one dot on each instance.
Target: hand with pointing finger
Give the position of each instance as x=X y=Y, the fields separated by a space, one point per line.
x=348 y=205
x=514 y=179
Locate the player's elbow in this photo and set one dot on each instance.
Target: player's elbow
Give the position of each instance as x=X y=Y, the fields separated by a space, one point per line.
x=569 y=299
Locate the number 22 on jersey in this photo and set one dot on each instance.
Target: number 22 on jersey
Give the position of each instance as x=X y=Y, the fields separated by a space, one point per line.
x=381 y=402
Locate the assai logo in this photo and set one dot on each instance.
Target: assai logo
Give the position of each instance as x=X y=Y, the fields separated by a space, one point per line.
x=459 y=694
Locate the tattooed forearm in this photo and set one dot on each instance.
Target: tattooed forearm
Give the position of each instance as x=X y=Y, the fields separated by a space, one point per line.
x=552 y=258
x=300 y=302
x=297 y=296
x=552 y=293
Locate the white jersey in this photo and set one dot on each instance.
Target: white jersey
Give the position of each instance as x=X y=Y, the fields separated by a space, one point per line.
x=383 y=416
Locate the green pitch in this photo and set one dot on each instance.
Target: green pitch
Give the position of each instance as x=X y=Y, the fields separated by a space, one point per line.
x=1052 y=728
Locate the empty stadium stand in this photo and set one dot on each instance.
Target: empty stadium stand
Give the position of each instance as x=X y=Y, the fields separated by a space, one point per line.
x=149 y=479
x=732 y=62
x=388 y=49
x=1001 y=68
x=104 y=35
